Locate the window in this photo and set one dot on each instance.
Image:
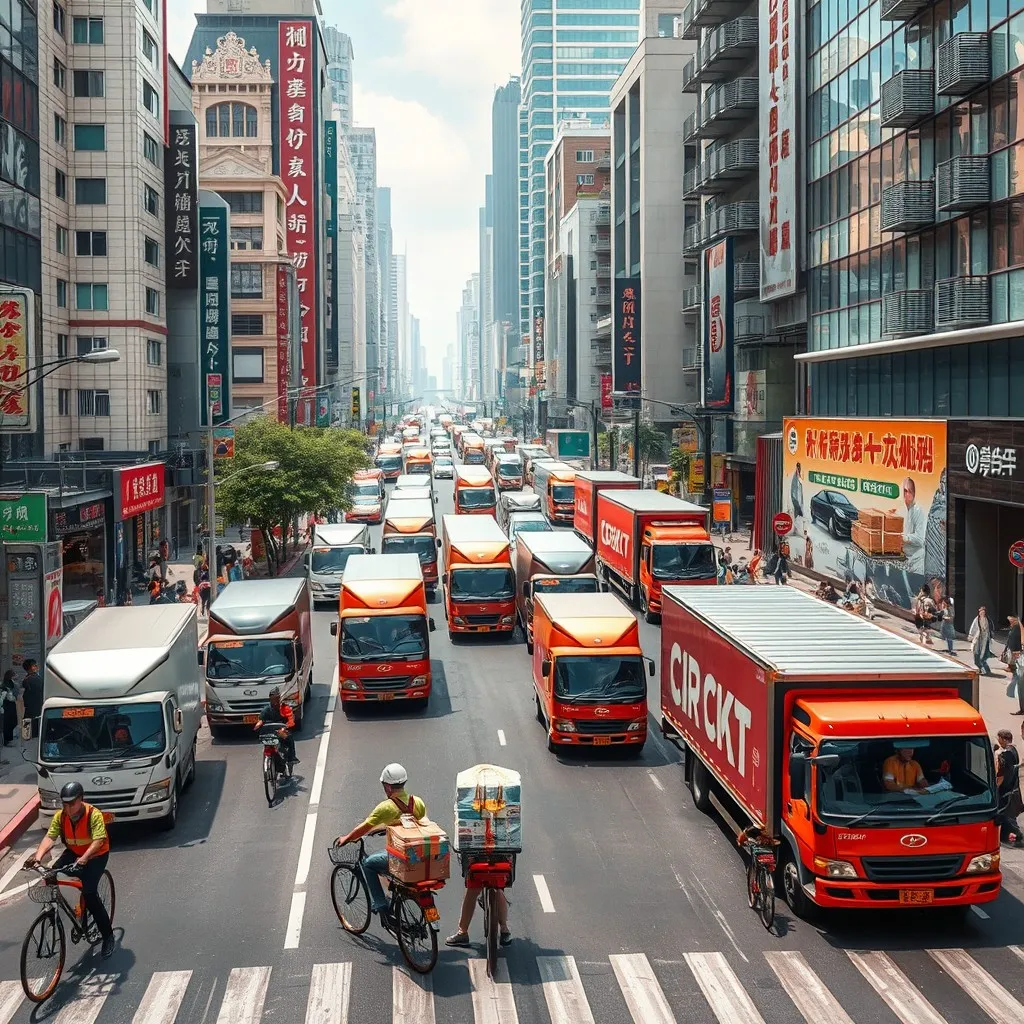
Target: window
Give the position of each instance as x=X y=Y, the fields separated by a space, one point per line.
x=85 y=346
x=91 y=191
x=59 y=19
x=90 y=444
x=150 y=6
x=62 y=346
x=247 y=323
x=62 y=294
x=584 y=179
x=246 y=281
x=232 y=120
x=62 y=240
x=90 y=243
x=150 y=149
x=154 y=352
x=584 y=156
x=91 y=137
x=60 y=130
x=87 y=83
x=152 y=301
x=243 y=202
x=153 y=447
x=151 y=200
x=63 y=402
x=87 y=30
x=153 y=403
x=152 y=252
x=60 y=185
x=90 y=296
x=148 y=46
x=247 y=365
x=93 y=402
x=246 y=238
x=150 y=99
x=60 y=74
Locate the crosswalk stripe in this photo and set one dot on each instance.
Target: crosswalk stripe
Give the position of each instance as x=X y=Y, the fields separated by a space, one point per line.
x=11 y=995
x=1017 y=951
x=895 y=988
x=641 y=989
x=492 y=999
x=244 y=995
x=805 y=988
x=412 y=998
x=995 y=1000
x=93 y=990
x=563 y=990
x=330 y=988
x=722 y=989
x=162 y=999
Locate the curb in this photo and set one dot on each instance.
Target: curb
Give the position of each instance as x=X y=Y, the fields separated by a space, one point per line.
x=22 y=821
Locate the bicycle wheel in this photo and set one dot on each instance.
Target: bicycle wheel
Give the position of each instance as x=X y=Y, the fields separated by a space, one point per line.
x=416 y=939
x=269 y=780
x=42 y=956
x=766 y=894
x=106 y=893
x=491 y=929
x=752 y=901
x=351 y=898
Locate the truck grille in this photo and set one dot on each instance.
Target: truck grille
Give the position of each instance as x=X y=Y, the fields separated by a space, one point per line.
x=110 y=799
x=602 y=726
x=912 y=869
x=481 y=620
x=244 y=707
x=386 y=682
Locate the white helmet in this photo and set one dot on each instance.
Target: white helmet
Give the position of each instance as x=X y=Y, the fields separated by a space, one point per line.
x=394 y=775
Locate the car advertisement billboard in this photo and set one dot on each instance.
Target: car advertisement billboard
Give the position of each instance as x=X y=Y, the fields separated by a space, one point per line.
x=868 y=499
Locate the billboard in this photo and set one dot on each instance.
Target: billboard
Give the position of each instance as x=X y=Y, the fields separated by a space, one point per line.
x=538 y=345
x=868 y=499
x=752 y=391
x=215 y=315
x=718 y=325
x=626 y=337
x=17 y=349
x=283 y=344
x=777 y=64
x=181 y=206
x=331 y=188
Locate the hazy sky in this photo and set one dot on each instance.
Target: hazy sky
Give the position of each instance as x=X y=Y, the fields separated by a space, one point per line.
x=425 y=75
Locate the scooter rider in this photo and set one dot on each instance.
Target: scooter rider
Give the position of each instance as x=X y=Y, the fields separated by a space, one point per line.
x=276 y=712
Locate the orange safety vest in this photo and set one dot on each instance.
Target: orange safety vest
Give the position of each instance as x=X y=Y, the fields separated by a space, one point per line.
x=76 y=834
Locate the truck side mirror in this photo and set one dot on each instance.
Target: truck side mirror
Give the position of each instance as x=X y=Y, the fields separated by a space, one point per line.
x=201 y=655
x=650 y=666
x=334 y=628
x=305 y=559
x=526 y=590
x=430 y=625
x=797 y=774
x=438 y=543
x=444 y=579
x=178 y=720
x=545 y=666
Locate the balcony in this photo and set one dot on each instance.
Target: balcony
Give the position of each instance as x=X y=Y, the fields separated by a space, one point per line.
x=963 y=64
x=902 y=10
x=722 y=167
x=724 y=108
x=698 y=14
x=604 y=161
x=747 y=328
x=604 y=217
x=746 y=278
x=908 y=205
x=724 y=51
x=907 y=98
x=962 y=302
x=692 y=299
x=603 y=244
x=907 y=312
x=963 y=183
x=732 y=219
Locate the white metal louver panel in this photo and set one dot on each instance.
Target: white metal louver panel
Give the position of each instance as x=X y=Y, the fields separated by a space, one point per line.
x=907 y=312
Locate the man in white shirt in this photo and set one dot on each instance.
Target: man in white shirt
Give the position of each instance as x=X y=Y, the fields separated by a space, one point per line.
x=915 y=524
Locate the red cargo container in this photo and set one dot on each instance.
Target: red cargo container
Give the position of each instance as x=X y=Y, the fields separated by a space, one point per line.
x=585 y=500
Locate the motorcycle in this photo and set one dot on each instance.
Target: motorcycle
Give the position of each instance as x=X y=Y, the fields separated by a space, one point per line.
x=275 y=767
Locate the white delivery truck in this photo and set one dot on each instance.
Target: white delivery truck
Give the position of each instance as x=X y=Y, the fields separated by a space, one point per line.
x=121 y=712
x=333 y=543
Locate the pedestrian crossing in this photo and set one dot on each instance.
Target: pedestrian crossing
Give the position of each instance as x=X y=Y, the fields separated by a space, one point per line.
x=770 y=986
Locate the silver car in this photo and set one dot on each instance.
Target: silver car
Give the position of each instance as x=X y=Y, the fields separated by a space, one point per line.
x=443 y=468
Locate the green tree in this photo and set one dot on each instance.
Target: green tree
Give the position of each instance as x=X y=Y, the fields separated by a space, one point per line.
x=652 y=445
x=315 y=469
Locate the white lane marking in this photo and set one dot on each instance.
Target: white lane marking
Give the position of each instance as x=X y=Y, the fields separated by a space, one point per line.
x=895 y=988
x=492 y=999
x=501 y=737
x=657 y=782
x=244 y=995
x=805 y=988
x=995 y=1000
x=6 y=897
x=11 y=996
x=162 y=999
x=412 y=998
x=293 y=931
x=1017 y=951
x=93 y=991
x=722 y=989
x=981 y=913
x=17 y=865
x=330 y=988
x=642 y=991
x=545 y=896
x=306 y=846
x=563 y=990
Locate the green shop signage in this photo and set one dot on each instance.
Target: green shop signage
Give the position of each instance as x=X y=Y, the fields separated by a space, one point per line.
x=834 y=480
x=23 y=517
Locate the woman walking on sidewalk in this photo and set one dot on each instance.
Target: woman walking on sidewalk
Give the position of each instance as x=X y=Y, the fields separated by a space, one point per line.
x=947 y=630
x=980 y=636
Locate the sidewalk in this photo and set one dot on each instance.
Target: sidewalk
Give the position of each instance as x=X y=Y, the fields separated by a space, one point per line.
x=19 y=794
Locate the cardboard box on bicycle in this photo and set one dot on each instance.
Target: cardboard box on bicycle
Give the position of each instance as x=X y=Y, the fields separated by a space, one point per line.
x=418 y=851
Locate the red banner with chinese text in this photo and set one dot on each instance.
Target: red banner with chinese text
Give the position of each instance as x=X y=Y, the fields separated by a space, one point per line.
x=283 y=344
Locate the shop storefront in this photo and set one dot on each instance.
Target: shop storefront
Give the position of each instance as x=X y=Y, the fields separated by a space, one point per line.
x=986 y=516
x=81 y=531
x=138 y=500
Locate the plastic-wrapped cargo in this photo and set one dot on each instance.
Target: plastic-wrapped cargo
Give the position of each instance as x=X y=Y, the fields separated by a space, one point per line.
x=488 y=809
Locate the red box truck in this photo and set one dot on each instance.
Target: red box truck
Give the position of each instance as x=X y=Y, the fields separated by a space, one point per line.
x=585 y=498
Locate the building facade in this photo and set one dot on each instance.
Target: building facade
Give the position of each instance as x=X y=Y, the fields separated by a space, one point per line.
x=363 y=149
x=340 y=57
x=389 y=310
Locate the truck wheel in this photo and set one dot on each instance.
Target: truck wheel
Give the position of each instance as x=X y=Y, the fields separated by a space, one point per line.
x=298 y=718
x=170 y=819
x=796 y=898
x=700 y=787
x=552 y=745
x=538 y=711
x=309 y=687
x=190 y=777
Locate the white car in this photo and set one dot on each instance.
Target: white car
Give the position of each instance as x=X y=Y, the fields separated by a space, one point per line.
x=440 y=445
x=443 y=467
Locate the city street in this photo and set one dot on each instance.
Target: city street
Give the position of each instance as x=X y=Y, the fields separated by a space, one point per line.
x=629 y=904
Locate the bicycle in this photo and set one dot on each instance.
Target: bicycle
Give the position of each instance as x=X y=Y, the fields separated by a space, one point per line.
x=760 y=872
x=411 y=915
x=46 y=938
x=492 y=872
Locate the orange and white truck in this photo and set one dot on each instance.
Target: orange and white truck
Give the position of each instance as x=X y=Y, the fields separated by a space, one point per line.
x=383 y=631
x=409 y=530
x=474 y=492
x=589 y=678
x=417 y=462
x=647 y=540
x=587 y=484
x=479 y=585
x=472 y=451
x=389 y=461
x=863 y=753
x=555 y=482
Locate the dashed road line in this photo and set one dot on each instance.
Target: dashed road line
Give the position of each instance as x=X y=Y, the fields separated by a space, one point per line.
x=547 y=905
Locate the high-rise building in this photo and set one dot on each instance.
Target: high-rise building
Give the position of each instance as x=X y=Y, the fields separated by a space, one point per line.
x=488 y=358
x=505 y=203
x=468 y=322
x=401 y=304
x=389 y=309
x=339 y=74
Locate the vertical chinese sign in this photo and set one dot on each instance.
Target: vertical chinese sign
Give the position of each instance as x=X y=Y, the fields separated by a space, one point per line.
x=17 y=332
x=538 y=347
x=777 y=41
x=606 y=391
x=357 y=408
x=331 y=174
x=718 y=327
x=298 y=169
x=182 y=208
x=283 y=344
x=626 y=328
x=214 y=315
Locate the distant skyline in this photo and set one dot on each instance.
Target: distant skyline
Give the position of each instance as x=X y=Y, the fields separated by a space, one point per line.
x=425 y=76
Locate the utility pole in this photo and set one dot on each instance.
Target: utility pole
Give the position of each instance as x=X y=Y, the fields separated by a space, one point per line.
x=211 y=507
x=636 y=438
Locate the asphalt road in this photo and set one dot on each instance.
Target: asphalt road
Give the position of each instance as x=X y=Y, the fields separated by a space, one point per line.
x=629 y=904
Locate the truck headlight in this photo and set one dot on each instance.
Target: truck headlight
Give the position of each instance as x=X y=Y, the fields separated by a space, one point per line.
x=350 y=684
x=156 y=791
x=564 y=725
x=506 y=620
x=636 y=726
x=419 y=681
x=212 y=704
x=984 y=862
x=49 y=801
x=456 y=620
x=834 y=868
x=316 y=586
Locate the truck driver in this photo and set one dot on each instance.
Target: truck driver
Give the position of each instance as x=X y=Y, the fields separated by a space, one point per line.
x=901 y=772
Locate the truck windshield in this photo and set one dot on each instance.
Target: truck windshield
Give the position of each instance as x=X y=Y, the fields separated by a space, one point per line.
x=566 y=585
x=563 y=494
x=365 y=500
x=603 y=679
x=331 y=561
x=683 y=562
x=476 y=497
x=421 y=544
x=510 y=469
x=388 y=463
x=365 y=490
x=886 y=781
x=481 y=584
x=234 y=660
x=382 y=637
x=102 y=732
x=473 y=457
x=418 y=468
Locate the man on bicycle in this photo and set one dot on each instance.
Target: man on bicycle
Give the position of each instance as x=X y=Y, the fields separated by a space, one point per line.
x=277 y=713
x=388 y=812
x=81 y=828
x=461 y=936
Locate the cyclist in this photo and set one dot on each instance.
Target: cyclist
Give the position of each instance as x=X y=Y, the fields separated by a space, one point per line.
x=276 y=712
x=81 y=828
x=388 y=812
x=461 y=936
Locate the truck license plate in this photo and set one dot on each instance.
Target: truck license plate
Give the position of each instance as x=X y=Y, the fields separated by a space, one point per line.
x=250 y=719
x=484 y=629
x=385 y=696
x=917 y=896
x=602 y=741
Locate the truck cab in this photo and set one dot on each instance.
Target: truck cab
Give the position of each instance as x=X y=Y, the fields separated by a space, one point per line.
x=333 y=545
x=472 y=449
x=417 y=462
x=479 y=585
x=508 y=471
x=409 y=530
x=366 y=493
x=474 y=492
x=555 y=482
x=389 y=461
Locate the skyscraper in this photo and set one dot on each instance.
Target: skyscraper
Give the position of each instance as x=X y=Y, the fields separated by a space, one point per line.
x=363 y=148
x=505 y=174
x=339 y=74
x=389 y=312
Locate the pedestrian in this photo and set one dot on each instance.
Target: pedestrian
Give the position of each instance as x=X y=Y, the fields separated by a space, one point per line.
x=199 y=557
x=9 y=697
x=203 y=586
x=980 y=636
x=947 y=630
x=1007 y=770
x=165 y=554
x=32 y=694
x=1010 y=656
x=808 y=551
x=782 y=565
x=924 y=614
